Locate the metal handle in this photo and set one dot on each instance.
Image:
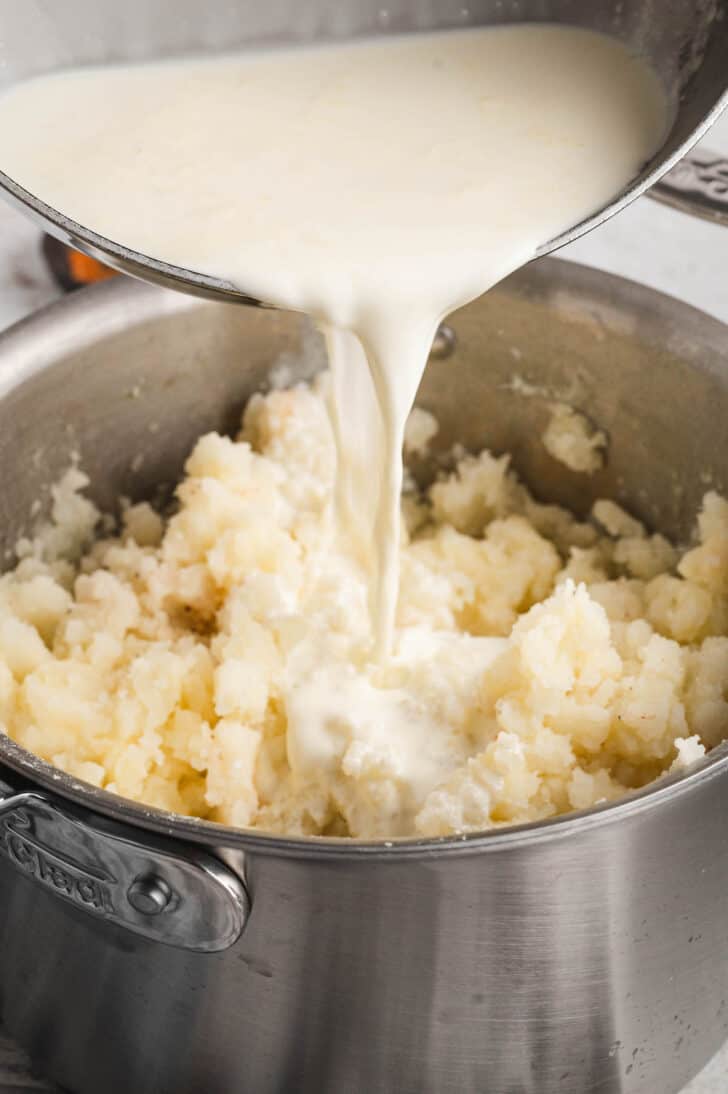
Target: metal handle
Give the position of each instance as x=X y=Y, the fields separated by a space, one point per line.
x=698 y=185
x=157 y=888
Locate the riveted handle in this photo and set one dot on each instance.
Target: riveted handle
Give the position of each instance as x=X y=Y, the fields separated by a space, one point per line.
x=153 y=887
x=698 y=185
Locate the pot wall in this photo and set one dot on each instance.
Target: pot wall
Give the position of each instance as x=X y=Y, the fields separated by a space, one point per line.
x=596 y=960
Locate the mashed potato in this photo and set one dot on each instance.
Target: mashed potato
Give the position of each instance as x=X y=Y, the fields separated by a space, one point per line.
x=572 y=440
x=217 y=664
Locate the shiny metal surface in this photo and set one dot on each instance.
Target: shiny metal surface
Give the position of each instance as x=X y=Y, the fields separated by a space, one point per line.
x=687 y=44
x=175 y=895
x=697 y=185
x=587 y=955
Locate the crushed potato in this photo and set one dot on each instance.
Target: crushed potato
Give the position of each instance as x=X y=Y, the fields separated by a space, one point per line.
x=217 y=663
x=572 y=440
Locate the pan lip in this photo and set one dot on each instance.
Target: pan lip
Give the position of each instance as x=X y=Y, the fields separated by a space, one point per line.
x=26 y=351
x=121 y=258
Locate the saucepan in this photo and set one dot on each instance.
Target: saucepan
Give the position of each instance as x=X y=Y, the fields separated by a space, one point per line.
x=142 y=951
x=687 y=43
x=145 y=952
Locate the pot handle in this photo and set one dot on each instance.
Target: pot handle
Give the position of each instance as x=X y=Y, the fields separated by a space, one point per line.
x=157 y=888
x=698 y=185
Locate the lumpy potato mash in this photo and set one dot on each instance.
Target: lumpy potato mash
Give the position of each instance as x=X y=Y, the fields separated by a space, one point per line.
x=218 y=663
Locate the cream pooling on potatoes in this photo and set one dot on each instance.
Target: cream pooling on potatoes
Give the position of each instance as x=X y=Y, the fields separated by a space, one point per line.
x=376 y=185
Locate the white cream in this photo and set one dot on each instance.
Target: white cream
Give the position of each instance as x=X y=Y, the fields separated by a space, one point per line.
x=339 y=719
x=377 y=186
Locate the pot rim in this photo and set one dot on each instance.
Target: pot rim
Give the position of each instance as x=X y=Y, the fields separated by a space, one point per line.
x=125 y=302
x=655 y=795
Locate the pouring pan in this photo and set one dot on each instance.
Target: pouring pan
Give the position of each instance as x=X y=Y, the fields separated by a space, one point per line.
x=687 y=43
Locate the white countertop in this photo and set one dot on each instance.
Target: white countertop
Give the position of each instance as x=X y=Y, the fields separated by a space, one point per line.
x=647 y=242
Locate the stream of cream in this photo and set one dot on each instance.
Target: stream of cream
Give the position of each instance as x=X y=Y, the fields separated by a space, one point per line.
x=377 y=186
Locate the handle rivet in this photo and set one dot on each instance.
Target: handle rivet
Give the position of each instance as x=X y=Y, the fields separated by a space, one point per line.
x=149 y=895
x=444 y=344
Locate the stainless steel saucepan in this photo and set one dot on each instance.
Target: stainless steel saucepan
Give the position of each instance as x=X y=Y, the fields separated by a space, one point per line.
x=161 y=955
x=686 y=42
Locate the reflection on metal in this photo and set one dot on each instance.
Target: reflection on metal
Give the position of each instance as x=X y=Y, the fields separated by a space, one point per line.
x=165 y=892
x=444 y=343
x=698 y=185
